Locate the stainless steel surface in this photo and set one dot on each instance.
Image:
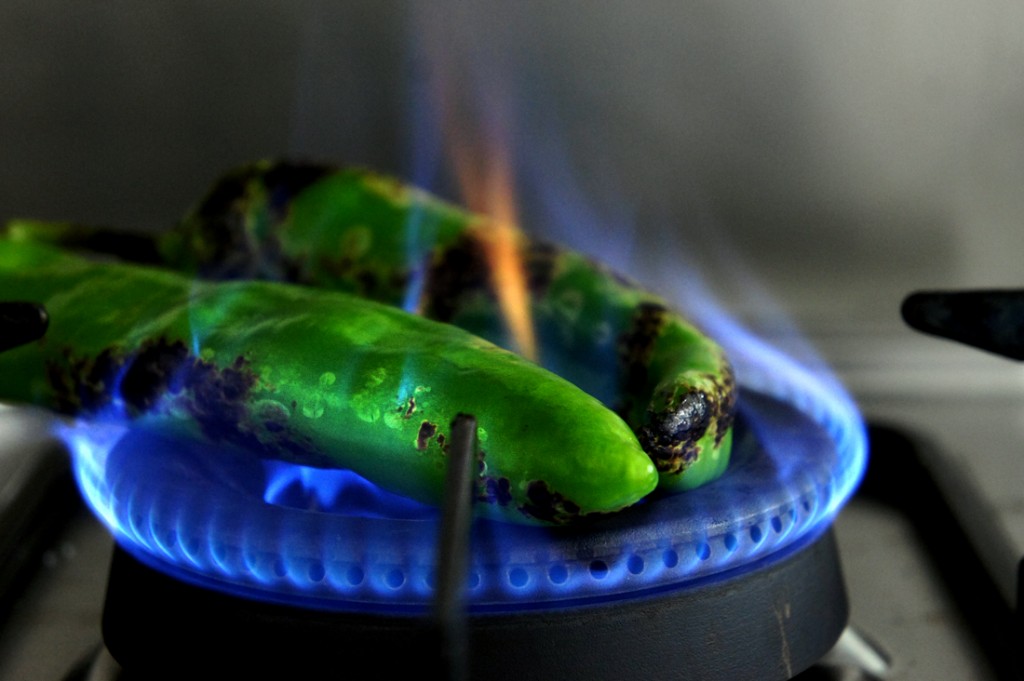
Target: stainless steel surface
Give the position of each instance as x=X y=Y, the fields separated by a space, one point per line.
x=970 y=405
x=55 y=621
x=898 y=600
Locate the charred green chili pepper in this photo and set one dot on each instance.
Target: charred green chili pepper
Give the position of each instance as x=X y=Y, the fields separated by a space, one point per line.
x=317 y=378
x=356 y=231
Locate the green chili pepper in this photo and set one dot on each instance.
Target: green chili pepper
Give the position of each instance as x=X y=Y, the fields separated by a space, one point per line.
x=355 y=231
x=317 y=378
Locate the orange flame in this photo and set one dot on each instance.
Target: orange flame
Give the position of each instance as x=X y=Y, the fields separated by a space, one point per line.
x=478 y=147
x=491 y=192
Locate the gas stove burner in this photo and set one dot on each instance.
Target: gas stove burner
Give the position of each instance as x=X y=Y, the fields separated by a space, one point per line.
x=204 y=518
x=767 y=622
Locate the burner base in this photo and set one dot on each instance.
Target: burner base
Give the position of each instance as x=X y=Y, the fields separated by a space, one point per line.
x=768 y=621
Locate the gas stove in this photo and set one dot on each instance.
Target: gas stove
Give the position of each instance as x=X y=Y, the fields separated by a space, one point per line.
x=914 y=579
x=649 y=587
x=750 y=577
x=216 y=564
x=233 y=564
x=903 y=624
x=915 y=612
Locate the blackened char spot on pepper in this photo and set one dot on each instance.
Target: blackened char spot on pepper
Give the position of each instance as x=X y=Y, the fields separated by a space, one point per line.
x=670 y=437
x=295 y=270
x=221 y=198
x=218 y=233
x=461 y=270
x=219 y=397
x=161 y=374
x=689 y=418
x=356 y=275
x=552 y=507
x=494 y=491
x=635 y=348
x=726 y=405
x=282 y=181
x=285 y=179
x=427 y=431
x=153 y=371
x=84 y=384
x=368 y=283
x=541 y=258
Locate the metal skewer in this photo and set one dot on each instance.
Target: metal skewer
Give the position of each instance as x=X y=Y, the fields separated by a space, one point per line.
x=449 y=613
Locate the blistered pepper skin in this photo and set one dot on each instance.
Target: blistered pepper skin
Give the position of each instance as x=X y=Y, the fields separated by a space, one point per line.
x=356 y=231
x=317 y=378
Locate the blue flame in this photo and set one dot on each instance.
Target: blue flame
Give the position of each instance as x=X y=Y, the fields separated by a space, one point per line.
x=337 y=491
x=329 y=539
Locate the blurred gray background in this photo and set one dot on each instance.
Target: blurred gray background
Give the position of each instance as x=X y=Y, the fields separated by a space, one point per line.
x=842 y=153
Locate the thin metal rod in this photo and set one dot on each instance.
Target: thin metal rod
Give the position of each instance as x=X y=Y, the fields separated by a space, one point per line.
x=449 y=615
x=20 y=323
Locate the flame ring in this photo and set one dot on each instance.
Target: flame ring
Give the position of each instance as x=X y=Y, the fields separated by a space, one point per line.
x=199 y=519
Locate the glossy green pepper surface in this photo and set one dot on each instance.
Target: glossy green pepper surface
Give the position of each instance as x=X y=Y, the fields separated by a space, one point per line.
x=318 y=378
x=356 y=231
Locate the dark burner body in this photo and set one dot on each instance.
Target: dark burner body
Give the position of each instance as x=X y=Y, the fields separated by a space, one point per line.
x=769 y=620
